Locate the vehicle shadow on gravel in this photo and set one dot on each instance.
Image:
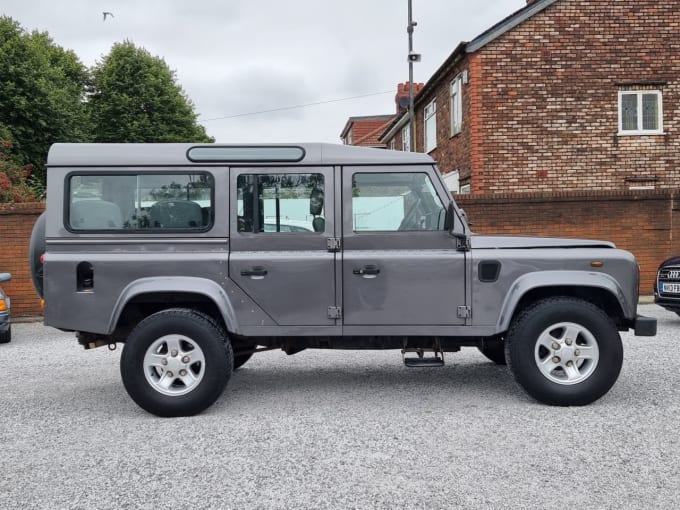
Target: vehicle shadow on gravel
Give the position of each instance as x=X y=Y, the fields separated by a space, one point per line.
x=469 y=379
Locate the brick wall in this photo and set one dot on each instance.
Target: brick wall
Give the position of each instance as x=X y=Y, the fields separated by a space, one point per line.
x=540 y=110
x=16 y=225
x=646 y=223
x=549 y=98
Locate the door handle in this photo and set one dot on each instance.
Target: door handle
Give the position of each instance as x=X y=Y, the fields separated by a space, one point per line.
x=255 y=273
x=368 y=272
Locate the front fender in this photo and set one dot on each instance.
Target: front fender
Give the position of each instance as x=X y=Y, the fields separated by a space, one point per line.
x=176 y=284
x=542 y=279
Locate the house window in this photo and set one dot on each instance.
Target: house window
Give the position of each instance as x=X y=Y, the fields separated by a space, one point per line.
x=348 y=139
x=431 y=126
x=465 y=189
x=452 y=181
x=392 y=144
x=640 y=112
x=406 y=138
x=456 y=106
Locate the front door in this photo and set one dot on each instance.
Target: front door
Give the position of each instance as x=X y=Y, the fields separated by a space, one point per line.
x=280 y=221
x=400 y=265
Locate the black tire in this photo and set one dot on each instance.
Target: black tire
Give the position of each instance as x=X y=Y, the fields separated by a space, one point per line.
x=6 y=336
x=35 y=250
x=494 y=350
x=194 y=330
x=595 y=331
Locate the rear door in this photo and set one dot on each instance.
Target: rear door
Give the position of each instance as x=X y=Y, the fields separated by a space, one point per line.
x=400 y=266
x=280 y=220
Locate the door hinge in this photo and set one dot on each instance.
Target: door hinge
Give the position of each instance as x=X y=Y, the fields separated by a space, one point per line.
x=334 y=244
x=334 y=312
x=464 y=312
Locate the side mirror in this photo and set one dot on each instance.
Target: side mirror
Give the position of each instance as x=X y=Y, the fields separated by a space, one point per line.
x=457 y=230
x=5 y=277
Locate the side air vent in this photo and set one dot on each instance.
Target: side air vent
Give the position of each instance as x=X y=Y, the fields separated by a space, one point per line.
x=489 y=270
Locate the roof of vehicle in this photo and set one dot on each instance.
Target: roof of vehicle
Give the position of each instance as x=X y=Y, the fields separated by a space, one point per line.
x=176 y=154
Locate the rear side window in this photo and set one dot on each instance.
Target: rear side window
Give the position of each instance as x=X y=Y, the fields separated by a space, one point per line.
x=149 y=202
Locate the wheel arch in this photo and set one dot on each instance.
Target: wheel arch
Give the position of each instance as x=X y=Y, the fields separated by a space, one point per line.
x=149 y=295
x=597 y=288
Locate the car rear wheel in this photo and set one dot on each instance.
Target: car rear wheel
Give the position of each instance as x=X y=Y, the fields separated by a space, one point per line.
x=176 y=362
x=564 y=351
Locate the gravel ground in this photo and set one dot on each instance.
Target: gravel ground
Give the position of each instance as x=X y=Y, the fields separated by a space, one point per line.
x=336 y=430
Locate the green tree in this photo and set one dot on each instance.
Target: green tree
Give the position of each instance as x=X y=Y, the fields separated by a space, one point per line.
x=135 y=98
x=41 y=94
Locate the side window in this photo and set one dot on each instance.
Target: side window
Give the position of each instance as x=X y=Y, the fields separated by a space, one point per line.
x=388 y=202
x=140 y=202
x=280 y=203
x=640 y=112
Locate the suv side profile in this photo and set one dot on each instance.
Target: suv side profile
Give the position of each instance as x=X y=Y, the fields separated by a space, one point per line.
x=187 y=255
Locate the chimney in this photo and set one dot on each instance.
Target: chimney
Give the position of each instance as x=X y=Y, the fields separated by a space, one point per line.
x=401 y=98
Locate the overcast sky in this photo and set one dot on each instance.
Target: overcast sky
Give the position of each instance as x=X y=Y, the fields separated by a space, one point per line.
x=241 y=56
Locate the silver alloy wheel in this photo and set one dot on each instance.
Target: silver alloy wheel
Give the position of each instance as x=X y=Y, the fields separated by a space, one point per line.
x=174 y=365
x=566 y=353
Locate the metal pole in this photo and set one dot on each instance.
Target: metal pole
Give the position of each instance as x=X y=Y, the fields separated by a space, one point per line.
x=411 y=115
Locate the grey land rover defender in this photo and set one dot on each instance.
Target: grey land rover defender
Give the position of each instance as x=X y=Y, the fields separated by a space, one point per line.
x=196 y=257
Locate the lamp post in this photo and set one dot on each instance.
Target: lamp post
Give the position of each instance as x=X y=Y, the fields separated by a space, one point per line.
x=412 y=57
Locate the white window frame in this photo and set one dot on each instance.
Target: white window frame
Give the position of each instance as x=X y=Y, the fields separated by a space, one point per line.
x=452 y=181
x=456 y=93
x=430 y=132
x=406 y=138
x=348 y=138
x=465 y=189
x=640 y=130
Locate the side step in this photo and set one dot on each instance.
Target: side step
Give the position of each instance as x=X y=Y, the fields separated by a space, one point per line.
x=436 y=360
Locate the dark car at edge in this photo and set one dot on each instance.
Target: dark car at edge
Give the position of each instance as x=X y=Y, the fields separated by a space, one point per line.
x=667 y=285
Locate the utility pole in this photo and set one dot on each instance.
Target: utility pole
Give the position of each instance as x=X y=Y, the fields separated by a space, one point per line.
x=412 y=57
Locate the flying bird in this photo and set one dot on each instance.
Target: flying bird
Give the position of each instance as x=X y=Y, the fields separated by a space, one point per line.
x=106 y=13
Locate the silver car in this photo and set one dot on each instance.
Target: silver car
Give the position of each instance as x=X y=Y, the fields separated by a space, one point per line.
x=197 y=257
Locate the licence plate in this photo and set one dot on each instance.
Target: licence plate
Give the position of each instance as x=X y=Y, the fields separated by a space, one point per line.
x=670 y=288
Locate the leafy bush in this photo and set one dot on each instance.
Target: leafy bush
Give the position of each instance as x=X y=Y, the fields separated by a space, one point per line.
x=16 y=184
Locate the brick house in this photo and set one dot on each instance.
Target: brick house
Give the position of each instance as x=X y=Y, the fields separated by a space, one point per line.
x=561 y=95
x=367 y=131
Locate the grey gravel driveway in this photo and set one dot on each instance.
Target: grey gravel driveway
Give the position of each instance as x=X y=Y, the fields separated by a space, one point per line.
x=337 y=430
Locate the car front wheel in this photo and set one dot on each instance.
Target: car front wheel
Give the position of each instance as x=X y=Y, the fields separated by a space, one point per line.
x=564 y=351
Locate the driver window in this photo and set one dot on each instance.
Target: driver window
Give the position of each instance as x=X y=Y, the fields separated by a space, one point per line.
x=389 y=202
